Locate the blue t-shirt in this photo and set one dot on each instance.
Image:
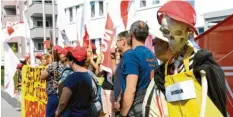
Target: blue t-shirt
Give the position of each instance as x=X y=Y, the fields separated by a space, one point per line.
x=80 y=84
x=117 y=81
x=141 y=62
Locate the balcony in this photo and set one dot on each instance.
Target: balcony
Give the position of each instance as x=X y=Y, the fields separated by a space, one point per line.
x=38 y=32
x=35 y=9
x=9 y=18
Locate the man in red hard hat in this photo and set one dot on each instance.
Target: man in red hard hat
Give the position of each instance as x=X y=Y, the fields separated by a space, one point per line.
x=177 y=20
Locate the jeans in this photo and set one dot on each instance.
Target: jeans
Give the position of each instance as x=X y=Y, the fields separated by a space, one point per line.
x=99 y=93
x=52 y=105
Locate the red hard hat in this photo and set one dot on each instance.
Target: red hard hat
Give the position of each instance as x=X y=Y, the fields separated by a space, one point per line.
x=180 y=11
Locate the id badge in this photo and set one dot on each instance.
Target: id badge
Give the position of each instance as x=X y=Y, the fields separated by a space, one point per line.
x=180 y=91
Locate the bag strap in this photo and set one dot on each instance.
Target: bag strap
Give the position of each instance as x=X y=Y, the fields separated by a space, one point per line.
x=147 y=109
x=204 y=93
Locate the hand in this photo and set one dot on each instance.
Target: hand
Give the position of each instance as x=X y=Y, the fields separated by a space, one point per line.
x=57 y=114
x=89 y=53
x=55 y=84
x=113 y=53
x=116 y=106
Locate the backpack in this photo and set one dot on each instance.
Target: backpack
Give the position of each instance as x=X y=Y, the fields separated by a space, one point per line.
x=64 y=74
x=96 y=105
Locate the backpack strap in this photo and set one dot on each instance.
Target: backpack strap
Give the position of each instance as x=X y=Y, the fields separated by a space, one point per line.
x=148 y=103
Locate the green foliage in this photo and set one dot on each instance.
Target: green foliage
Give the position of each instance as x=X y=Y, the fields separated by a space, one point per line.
x=13 y=47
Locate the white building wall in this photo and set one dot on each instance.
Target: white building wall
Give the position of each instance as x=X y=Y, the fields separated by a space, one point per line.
x=148 y=14
x=205 y=6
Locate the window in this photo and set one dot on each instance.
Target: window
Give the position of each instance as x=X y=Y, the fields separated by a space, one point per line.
x=48 y=1
x=93 y=9
x=40 y=23
x=10 y=10
x=155 y=2
x=71 y=14
x=14 y=46
x=40 y=46
x=101 y=8
x=142 y=3
x=37 y=1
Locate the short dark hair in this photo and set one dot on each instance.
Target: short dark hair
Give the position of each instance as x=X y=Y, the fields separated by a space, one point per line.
x=125 y=34
x=140 y=30
x=56 y=57
x=70 y=57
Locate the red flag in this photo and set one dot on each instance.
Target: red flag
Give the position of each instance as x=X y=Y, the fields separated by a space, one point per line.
x=86 y=38
x=124 y=11
x=47 y=44
x=108 y=37
x=10 y=30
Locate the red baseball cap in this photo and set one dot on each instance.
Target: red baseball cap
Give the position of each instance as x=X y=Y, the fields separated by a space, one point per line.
x=19 y=66
x=181 y=11
x=79 y=53
x=66 y=49
x=57 y=48
x=39 y=55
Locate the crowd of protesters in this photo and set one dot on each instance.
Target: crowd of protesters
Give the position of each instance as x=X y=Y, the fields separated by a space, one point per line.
x=78 y=87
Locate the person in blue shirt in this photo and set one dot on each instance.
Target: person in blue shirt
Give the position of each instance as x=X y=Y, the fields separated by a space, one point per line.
x=123 y=47
x=77 y=91
x=137 y=67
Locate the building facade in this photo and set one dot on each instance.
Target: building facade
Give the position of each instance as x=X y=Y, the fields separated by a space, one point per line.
x=12 y=12
x=34 y=12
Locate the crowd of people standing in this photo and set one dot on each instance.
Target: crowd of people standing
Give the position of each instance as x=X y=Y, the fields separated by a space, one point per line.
x=141 y=80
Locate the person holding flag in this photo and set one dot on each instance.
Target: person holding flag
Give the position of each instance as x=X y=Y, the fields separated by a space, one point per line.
x=51 y=75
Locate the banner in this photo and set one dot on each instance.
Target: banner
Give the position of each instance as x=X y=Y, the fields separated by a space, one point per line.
x=10 y=64
x=34 y=97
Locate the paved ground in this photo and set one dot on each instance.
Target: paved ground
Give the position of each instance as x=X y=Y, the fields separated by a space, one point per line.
x=8 y=110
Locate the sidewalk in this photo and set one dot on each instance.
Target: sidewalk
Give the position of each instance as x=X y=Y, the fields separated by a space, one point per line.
x=14 y=102
x=8 y=110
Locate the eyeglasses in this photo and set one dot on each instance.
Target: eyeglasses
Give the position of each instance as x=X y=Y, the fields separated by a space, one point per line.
x=119 y=40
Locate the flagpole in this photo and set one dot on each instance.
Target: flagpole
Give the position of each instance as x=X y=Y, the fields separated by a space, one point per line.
x=53 y=17
x=44 y=22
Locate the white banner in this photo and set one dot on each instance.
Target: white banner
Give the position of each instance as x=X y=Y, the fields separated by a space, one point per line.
x=10 y=64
